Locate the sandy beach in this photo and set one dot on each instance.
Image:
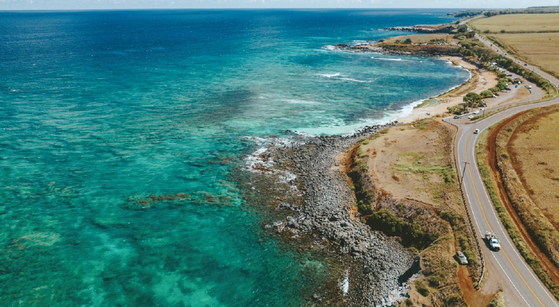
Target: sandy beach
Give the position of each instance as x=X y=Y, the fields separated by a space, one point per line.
x=480 y=80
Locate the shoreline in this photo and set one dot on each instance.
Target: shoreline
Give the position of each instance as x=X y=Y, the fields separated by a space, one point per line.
x=306 y=171
x=486 y=80
x=317 y=207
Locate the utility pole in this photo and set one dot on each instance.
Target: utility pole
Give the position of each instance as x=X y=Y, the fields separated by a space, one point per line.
x=484 y=111
x=463 y=173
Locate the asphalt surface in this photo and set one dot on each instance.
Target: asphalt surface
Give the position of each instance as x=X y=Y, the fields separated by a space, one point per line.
x=524 y=288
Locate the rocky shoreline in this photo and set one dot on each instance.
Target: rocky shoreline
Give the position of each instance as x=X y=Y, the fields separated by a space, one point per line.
x=321 y=207
x=423 y=29
x=427 y=51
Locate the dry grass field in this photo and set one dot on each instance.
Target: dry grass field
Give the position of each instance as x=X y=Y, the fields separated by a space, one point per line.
x=540 y=49
x=415 y=161
x=422 y=38
x=535 y=149
x=518 y=23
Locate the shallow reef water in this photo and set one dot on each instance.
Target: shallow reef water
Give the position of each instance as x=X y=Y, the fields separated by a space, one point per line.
x=120 y=130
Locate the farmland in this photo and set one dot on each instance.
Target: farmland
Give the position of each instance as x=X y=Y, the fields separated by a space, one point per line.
x=518 y=23
x=534 y=150
x=539 y=49
x=533 y=38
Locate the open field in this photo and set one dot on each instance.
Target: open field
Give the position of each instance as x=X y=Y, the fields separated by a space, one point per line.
x=534 y=152
x=537 y=48
x=518 y=23
x=541 y=238
x=415 y=162
x=422 y=38
x=486 y=152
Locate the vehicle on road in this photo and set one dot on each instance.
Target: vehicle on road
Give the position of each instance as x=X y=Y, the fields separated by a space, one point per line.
x=461 y=258
x=492 y=241
x=476 y=131
x=529 y=87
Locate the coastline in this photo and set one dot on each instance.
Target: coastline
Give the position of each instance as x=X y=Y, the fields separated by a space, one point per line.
x=453 y=96
x=317 y=210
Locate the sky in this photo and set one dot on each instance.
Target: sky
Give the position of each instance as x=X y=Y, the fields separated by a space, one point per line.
x=241 y=4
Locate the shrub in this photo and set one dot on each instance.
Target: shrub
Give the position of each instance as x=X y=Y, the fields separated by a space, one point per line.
x=364 y=208
x=452 y=217
x=421 y=288
x=486 y=94
x=386 y=222
x=434 y=281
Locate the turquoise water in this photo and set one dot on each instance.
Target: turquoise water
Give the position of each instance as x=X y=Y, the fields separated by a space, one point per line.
x=120 y=130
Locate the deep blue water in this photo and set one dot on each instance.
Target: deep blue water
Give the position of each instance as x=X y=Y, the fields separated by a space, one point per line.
x=106 y=116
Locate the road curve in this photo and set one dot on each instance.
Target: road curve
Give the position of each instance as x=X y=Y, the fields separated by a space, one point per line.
x=510 y=265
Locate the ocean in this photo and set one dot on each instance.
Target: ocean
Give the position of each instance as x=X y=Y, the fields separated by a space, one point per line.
x=123 y=135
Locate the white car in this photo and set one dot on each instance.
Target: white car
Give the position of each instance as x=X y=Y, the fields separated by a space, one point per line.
x=461 y=257
x=476 y=131
x=476 y=112
x=470 y=117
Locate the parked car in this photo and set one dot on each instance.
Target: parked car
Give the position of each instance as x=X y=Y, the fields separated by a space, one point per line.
x=476 y=131
x=456 y=117
x=496 y=94
x=470 y=117
x=476 y=112
x=461 y=258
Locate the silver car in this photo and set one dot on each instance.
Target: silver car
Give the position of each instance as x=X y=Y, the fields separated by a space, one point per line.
x=461 y=258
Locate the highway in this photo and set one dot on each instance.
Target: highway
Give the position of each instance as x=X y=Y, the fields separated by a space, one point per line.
x=521 y=285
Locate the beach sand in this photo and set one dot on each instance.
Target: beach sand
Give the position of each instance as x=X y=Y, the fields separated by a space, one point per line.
x=484 y=80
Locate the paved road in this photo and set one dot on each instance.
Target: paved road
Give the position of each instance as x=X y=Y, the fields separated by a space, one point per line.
x=515 y=273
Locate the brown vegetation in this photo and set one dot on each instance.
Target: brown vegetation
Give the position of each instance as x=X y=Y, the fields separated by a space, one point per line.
x=518 y=23
x=522 y=221
x=539 y=49
x=533 y=38
x=534 y=153
x=538 y=227
x=412 y=193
